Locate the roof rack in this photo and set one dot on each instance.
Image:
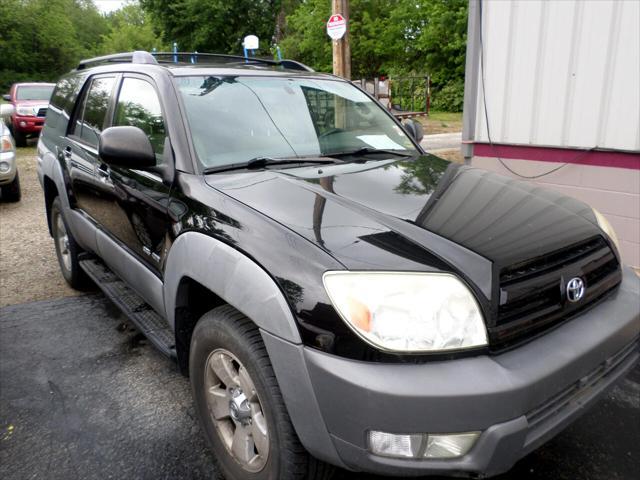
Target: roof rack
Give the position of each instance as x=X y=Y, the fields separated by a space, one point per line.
x=186 y=58
x=139 y=56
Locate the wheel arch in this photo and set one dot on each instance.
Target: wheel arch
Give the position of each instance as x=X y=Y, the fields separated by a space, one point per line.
x=202 y=273
x=50 y=193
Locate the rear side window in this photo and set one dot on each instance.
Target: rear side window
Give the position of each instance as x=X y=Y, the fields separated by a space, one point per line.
x=62 y=101
x=89 y=123
x=65 y=94
x=138 y=106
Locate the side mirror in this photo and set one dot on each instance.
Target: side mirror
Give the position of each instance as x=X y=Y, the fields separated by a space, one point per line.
x=414 y=129
x=126 y=147
x=6 y=110
x=6 y=97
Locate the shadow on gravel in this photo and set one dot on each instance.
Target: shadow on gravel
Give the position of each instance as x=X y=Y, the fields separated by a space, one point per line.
x=83 y=395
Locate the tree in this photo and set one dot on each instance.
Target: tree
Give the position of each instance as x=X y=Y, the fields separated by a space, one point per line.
x=131 y=29
x=395 y=37
x=43 y=38
x=217 y=26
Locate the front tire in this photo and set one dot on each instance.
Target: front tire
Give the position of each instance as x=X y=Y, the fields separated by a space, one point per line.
x=11 y=192
x=20 y=138
x=67 y=249
x=239 y=403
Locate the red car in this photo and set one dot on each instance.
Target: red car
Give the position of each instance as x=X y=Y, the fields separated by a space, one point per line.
x=30 y=101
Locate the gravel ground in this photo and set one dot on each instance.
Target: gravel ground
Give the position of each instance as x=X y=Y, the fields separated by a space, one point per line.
x=28 y=267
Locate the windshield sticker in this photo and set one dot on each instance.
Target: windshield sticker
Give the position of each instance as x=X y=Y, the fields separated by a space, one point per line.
x=380 y=141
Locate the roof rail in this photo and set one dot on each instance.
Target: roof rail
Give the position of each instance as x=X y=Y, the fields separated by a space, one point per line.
x=139 y=56
x=184 y=57
x=196 y=57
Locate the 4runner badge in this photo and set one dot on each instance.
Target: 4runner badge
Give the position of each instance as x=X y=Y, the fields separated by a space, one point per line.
x=575 y=289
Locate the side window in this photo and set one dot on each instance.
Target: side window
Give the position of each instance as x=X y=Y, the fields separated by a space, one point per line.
x=88 y=125
x=138 y=106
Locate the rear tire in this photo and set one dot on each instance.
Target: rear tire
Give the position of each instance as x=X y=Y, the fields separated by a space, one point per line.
x=227 y=357
x=11 y=192
x=67 y=249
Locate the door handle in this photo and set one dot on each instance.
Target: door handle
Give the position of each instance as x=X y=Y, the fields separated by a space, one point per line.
x=103 y=172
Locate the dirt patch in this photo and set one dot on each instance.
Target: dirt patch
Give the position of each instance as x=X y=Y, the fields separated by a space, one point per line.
x=28 y=266
x=453 y=155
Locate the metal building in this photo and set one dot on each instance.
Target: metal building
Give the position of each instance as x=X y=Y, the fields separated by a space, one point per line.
x=552 y=95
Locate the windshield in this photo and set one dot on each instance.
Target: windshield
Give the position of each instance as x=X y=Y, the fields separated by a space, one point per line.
x=236 y=119
x=34 y=92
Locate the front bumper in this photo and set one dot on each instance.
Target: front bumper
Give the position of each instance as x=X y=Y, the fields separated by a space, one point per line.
x=8 y=176
x=518 y=399
x=28 y=124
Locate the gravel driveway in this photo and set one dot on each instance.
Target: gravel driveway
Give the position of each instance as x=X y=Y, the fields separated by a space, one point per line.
x=28 y=267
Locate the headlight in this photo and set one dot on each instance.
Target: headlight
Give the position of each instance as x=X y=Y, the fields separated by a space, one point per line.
x=6 y=145
x=606 y=227
x=408 y=312
x=25 y=111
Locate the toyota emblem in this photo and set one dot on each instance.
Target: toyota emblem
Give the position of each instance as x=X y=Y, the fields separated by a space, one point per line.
x=575 y=289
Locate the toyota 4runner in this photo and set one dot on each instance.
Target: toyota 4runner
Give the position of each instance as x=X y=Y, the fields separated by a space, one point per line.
x=336 y=295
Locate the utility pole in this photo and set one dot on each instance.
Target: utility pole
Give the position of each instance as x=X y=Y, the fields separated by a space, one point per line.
x=341 y=47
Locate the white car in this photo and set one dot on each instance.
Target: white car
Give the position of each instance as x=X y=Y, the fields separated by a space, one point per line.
x=9 y=178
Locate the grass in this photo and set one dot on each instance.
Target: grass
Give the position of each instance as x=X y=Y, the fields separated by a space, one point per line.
x=442 y=122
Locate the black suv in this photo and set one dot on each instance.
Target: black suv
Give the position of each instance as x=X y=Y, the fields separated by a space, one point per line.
x=336 y=295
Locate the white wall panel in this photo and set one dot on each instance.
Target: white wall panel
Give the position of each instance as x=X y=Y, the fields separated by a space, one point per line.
x=561 y=73
x=621 y=127
x=546 y=126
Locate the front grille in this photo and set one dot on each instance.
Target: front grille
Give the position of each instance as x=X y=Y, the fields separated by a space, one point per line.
x=532 y=294
x=42 y=112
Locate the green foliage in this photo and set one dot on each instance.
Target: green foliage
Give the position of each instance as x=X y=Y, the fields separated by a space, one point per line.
x=450 y=97
x=41 y=39
x=131 y=29
x=392 y=37
x=214 y=25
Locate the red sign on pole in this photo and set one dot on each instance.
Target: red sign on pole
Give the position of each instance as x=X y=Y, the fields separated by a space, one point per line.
x=336 y=26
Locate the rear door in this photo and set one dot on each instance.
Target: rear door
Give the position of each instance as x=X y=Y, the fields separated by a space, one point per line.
x=91 y=189
x=136 y=214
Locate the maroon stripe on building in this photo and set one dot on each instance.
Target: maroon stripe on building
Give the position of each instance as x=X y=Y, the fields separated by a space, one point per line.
x=600 y=158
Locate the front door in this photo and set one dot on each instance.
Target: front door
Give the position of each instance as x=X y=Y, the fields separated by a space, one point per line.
x=137 y=215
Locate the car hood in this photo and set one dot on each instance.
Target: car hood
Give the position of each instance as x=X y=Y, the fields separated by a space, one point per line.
x=404 y=214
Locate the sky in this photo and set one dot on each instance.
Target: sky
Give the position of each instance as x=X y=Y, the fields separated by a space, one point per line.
x=106 y=6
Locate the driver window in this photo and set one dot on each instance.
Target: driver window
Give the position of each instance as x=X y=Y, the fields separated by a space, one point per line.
x=138 y=106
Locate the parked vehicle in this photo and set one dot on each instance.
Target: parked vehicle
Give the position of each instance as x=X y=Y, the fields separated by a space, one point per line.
x=30 y=101
x=9 y=178
x=336 y=295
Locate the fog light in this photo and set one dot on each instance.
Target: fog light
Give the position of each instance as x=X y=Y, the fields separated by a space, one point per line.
x=23 y=123
x=391 y=445
x=450 y=446
x=4 y=167
x=439 y=446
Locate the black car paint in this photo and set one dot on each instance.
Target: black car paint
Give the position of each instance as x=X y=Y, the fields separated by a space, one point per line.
x=422 y=214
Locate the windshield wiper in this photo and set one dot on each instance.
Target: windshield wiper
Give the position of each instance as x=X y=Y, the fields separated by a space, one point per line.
x=262 y=162
x=367 y=151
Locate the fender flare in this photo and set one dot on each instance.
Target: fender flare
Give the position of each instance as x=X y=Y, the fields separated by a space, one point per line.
x=232 y=276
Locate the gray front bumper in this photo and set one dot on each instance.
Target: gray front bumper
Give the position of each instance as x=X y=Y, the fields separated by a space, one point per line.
x=518 y=399
x=8 y=176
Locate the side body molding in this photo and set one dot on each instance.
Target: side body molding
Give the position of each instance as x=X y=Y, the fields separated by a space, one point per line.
x=233 y=277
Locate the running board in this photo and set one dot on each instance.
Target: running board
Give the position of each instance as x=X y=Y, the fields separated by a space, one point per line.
x=152 y=325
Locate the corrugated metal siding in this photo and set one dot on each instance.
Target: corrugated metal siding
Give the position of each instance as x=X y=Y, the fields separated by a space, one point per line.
x=561 y=73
